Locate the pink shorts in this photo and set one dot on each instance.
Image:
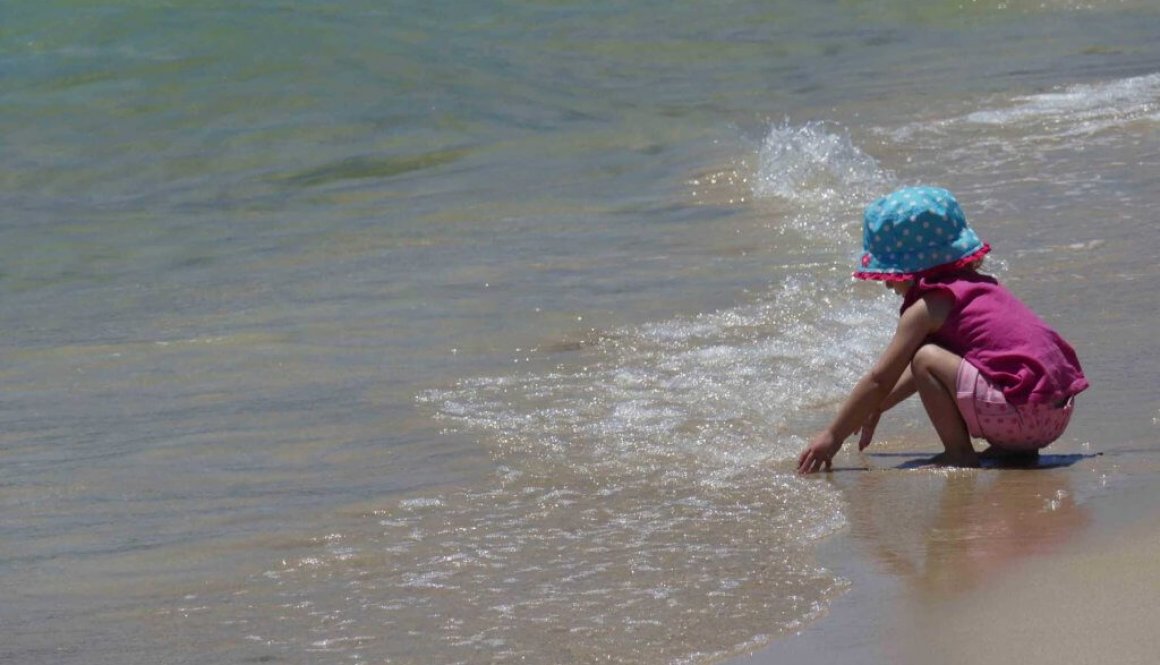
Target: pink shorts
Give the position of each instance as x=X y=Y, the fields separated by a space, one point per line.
x=989 y=416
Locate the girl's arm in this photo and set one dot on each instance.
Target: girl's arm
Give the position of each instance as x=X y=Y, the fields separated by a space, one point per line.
x=873 y=390
x=903 y=389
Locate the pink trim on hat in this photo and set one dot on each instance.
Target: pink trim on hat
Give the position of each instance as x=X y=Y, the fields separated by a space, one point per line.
x=946 y=267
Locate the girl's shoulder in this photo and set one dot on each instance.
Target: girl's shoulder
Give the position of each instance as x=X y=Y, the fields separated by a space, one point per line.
x=950 y=288
x=958 y=284
x=965 y=276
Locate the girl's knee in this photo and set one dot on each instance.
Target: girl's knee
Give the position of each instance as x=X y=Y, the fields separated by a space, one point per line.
x=931 y=360
x=925 y=359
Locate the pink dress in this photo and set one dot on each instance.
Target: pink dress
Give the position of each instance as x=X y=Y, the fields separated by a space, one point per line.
x=1016 y=387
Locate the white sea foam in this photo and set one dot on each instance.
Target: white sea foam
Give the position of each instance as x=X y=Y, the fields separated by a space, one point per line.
x=713 y=394
x=1081 y=108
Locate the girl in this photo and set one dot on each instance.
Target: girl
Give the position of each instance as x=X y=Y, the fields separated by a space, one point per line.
x=983 y=363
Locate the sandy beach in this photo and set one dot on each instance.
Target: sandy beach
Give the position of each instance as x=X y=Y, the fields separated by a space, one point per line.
x=1009 y=582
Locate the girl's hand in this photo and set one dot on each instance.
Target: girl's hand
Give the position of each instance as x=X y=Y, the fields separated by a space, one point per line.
x=868 y=429
x=818 y=454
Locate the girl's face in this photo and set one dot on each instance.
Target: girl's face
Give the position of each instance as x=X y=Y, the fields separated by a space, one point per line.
x=900 y=287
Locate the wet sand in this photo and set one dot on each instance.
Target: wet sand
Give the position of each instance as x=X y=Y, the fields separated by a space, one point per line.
x=1052 y=565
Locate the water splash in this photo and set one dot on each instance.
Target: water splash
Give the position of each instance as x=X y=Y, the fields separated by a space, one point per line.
x=817 y=166
x=818 y=181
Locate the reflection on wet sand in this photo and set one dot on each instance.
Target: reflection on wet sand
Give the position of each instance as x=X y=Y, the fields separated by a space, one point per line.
x=945 y=532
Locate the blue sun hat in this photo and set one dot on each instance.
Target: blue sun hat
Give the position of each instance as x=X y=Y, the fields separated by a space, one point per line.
x=916 y=231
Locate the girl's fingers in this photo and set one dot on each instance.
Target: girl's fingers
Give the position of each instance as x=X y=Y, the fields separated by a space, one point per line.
x=868 y=428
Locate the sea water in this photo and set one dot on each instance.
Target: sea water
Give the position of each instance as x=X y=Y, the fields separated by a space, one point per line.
x=489 y=331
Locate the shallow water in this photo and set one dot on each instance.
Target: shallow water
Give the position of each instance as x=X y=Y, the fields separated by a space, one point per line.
x=482 y=332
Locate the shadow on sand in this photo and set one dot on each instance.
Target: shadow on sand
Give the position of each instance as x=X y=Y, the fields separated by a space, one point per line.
x=1025 y=462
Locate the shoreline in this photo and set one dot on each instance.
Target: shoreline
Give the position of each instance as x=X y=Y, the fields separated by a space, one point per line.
x=1084 y=595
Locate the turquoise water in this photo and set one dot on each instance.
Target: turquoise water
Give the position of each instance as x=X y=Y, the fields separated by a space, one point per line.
x=476 y=332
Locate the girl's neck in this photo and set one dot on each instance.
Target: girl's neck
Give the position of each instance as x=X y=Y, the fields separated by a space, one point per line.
x=901 y=288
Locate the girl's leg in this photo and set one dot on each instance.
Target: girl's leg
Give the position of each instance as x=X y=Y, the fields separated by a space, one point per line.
x=935 y=374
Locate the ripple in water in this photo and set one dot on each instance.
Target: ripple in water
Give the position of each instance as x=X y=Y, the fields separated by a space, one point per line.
x=644 y=507
x=644 y=510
